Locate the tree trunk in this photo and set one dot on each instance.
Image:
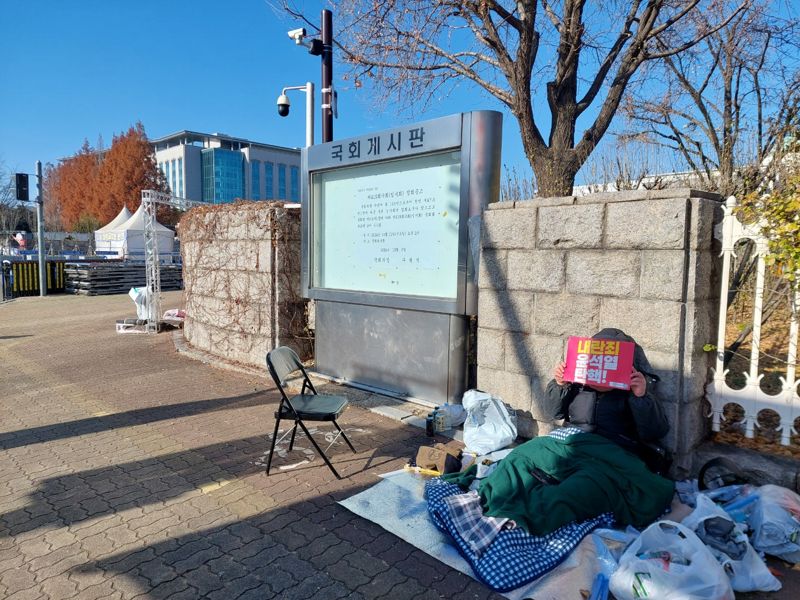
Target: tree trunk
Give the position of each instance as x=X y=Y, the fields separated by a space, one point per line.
x=555 y=174
x=554 y=171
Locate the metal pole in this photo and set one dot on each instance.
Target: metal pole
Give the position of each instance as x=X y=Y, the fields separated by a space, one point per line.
x=40 y=230
x=309 y=114
x=327 y=76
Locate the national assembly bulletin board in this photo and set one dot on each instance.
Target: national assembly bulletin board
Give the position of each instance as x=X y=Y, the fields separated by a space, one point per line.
x=385 y=214
x=387 y=224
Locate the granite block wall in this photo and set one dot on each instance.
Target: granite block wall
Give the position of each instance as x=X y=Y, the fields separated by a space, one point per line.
x=241 y=271
x=645 y=262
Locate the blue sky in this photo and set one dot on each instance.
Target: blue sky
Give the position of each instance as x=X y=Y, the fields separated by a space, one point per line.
x=90 y=68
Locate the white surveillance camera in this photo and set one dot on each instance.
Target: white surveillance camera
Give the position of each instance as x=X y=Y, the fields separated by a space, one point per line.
x=297 y=35
x=283 y=105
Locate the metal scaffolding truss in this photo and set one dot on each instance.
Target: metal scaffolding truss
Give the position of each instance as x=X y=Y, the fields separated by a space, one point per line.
x=150 y=201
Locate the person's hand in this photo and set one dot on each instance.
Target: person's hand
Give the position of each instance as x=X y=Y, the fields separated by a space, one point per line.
x=558 y=373
x=638 y=384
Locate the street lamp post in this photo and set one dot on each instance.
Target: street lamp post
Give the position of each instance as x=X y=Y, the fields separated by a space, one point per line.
x=40 y=230
x=327 y=76
x=283 y=107
x=324 y=49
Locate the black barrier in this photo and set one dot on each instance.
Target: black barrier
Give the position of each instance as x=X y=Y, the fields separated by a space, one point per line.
x=23 y=279
x=5 y=280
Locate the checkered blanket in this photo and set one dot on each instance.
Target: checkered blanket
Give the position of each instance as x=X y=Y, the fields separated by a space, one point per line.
x=472 y=525
x=515 y=557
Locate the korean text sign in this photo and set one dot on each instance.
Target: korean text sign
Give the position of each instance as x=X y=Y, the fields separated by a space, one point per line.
x=606 y=363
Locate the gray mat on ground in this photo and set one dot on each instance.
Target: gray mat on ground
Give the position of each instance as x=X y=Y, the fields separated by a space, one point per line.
x=397 y=505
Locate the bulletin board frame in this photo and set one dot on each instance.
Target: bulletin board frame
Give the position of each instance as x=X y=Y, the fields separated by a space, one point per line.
x=476 y=136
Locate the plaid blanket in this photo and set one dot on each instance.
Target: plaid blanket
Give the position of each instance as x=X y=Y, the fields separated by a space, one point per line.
x=515 y=557
x=472 y=526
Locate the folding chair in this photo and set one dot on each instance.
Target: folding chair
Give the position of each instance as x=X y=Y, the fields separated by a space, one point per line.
x=282 y=362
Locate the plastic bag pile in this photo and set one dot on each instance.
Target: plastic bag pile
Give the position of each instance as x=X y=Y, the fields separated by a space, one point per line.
x=489 y=426
x=717 y=550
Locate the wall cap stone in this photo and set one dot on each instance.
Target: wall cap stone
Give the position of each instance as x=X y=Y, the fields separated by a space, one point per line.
x=620 y=196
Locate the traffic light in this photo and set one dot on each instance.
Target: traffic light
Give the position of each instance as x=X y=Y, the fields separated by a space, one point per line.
x=22 y=187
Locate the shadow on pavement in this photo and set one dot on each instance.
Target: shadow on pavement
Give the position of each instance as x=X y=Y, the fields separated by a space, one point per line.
x=307 y=549
x=68 y=500
x=139 y=416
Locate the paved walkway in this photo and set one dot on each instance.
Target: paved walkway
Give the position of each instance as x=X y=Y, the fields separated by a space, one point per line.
x=128 y=470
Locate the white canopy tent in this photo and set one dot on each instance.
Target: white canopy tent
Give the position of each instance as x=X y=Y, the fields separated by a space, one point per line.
x=106 y=236
x=128 y=239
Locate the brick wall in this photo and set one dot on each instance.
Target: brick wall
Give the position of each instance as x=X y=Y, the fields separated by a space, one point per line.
x=241 y=271
x=644 y=262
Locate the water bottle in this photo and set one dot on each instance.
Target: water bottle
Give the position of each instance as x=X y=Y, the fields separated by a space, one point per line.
x=429 y=431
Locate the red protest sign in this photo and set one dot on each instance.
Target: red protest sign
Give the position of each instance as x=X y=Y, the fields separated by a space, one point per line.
x=602 y=363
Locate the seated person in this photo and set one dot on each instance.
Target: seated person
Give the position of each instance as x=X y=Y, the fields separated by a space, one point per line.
x=575 y=474
x=632 y=419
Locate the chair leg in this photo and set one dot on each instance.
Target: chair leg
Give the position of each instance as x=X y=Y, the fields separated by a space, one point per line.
x=291 y=442
x=344 y=435
x=272 y=447
x=321 y=453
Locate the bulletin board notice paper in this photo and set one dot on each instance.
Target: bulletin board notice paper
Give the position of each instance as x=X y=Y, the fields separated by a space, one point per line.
x=389 y=227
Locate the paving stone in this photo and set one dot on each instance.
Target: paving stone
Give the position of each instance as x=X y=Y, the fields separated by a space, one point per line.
x=97 y=545
x=237 y=587
x=156 y=572
x=122 y=563
x=13 y=562
x=59 y=587
x=204 y=580
x=196 y=559
x=426 y=569
x=227 y=568
x=95 y=592
x=62 y=566
x=264 y=557
x=383 y=584
x=16 y=580
x=263 y=592
x=168 y=589
x=337 y=590
x=33 y=593
x=251 y=548
x=130 y=584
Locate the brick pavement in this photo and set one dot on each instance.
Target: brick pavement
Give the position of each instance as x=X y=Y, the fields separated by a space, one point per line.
x=128 y=470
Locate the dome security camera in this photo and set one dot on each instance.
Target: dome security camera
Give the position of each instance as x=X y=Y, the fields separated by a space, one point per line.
x=283 y=105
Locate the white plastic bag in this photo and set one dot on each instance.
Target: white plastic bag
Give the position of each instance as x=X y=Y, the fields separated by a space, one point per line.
x=488 y=426
x=669 y=562
x=139 y=297
x=748 y=573
x=609 y=544
x=774 y=522
x=454 y=414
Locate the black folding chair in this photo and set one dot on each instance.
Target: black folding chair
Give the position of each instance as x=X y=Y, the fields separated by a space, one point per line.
x=282 y=362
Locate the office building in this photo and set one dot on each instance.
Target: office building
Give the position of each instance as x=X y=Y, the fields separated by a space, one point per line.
x=217 y=168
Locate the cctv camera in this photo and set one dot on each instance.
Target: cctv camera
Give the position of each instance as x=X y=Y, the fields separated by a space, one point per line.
x=283 y=105
x=297 y=35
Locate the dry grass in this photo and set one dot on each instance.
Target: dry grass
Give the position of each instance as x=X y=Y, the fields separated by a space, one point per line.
x=772 y=364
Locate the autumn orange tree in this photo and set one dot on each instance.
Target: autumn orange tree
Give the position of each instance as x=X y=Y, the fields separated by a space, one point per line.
x=73 y=185
x=95 y=185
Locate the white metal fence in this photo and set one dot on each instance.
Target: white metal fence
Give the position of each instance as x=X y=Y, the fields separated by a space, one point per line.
x=752 y=398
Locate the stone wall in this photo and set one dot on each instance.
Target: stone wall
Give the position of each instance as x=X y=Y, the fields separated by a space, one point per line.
x=644 y=262
x=241 y=271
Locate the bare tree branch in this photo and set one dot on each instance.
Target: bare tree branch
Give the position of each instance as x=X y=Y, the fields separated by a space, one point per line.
x=522 y=51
